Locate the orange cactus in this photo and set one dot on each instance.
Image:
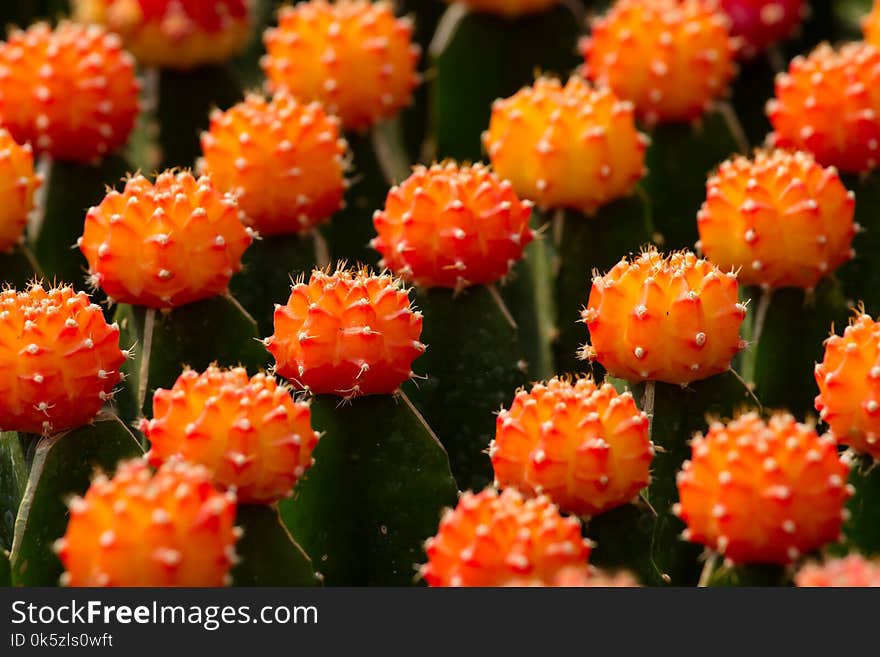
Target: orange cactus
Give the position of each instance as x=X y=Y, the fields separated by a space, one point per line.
x=584 y=446
x=828 y=104
x=566 y=146
x=508 y=8
x=849 y=386
x=59 y=360
x=672 y=58
x=490 y=539
x=71 y=92
x=178 y=34
x=171 y=528
x=248 y=432
x=850 y=571
x=283 y=160
x=580 y=576
x=780 y=219
x=673 y=319
x=164 y=244
x=763 y=492
x=18 y=184
x=349 y=333
x=353 y=56
x=451 y=226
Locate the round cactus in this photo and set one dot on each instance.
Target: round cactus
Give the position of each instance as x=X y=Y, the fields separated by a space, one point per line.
x=576 y=577
x=508 y=8
x=451 y=226
x=781 y=219
x=164 y=244
x=171 y=528
x=849 y=386
x=566 y=146
x=762 y=23
x=672 y=58
x=348 y=333
x=283 y=160
x=71 y=92
x=178 y=34
x=352 y=56
x=828 y=103
x=18 y=184
x=492 y=539
x=871 y=25
x=673 y=319
x=59 y=360
x=761 y=492
x=584 y=446
x=850 y=571
x=248 y=432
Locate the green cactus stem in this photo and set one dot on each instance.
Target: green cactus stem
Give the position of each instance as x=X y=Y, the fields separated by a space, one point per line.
x=585 y=245
x=861 y=276
x=163 y=342
x=53 y=232
x=62 y=465
x=678 y=160
x=862 y=529
x=645 y=537
x=185 y=101
x=268 y=554
x=269 y=267
x=717 y=573
x=473 y=367
x=510 y=51
x=375 y=493
x=788 y=328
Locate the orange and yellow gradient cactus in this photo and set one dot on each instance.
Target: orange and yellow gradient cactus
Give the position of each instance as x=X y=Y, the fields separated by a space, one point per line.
x=247 y=431
x=71 y=92
x=761 y=492
x=508 y=8
x=164 y=244
x=452 y=226
x=171 y=528
x=847 y=572
x=348 y=333
x=178 y=34
x=849 y=386
x=491 y=539
x=59 y=359
x=569 y=145
x=674 y=319
x=672 y=58
x=780 y=219
x=584 y=446
x=828 y=103
x=18 y=185
x=283 y=160
x=353 y=56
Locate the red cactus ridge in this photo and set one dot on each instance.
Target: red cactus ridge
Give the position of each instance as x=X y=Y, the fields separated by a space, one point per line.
x=491 y=539
x=451 y=226
x=171 y=528
x=59 y=360
x=348 y=333
x=584 y=446
x=763 y=492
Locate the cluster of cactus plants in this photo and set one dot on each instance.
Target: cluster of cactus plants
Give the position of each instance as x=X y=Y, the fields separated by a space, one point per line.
x=629 y=229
